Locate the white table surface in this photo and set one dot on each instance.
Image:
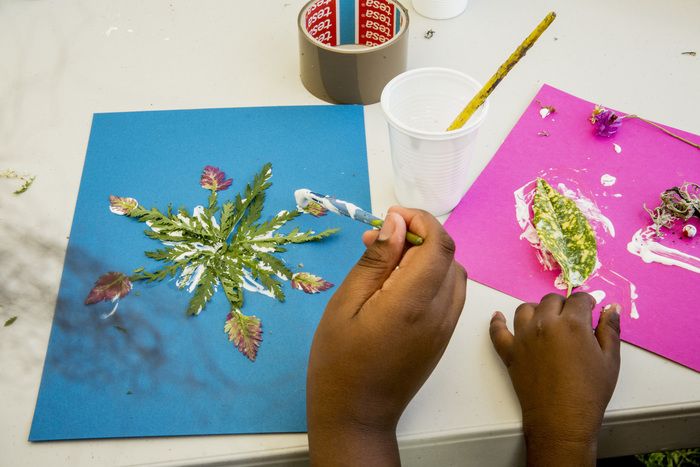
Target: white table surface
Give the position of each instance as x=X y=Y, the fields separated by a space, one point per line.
x=62 y=61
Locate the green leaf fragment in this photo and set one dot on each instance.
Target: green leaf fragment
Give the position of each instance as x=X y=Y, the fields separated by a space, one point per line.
x=565 y=233
x=10 y=321
x=205 y=288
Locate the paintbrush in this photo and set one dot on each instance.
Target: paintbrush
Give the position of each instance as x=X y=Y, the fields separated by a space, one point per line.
x=317 y=205
x=501 y=73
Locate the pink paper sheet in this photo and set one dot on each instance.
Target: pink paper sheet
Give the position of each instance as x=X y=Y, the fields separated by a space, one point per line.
x=661 y=303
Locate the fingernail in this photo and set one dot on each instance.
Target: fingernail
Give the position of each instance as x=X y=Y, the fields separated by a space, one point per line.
x=616 y=308
x=494 y=315
x=388 y=228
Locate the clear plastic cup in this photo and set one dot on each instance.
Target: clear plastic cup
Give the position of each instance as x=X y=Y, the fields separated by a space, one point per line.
x=440 y=9
x=431 y=165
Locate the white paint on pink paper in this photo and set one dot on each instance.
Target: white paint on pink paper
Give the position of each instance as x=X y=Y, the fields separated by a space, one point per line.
x=651 y=251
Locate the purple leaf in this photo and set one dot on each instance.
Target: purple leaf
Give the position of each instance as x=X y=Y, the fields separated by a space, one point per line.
x=214 y=179
x=122 y=206
x=309 y=283
x=111 y=286
x=245 y=332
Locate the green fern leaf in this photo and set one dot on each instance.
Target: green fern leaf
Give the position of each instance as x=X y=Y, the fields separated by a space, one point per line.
x=204 y=290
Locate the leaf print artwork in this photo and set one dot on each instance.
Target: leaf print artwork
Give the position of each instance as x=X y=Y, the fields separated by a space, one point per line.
x=223 y=245
x=565 y=234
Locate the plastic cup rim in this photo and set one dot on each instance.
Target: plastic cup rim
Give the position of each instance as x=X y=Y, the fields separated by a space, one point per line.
x=471 y=125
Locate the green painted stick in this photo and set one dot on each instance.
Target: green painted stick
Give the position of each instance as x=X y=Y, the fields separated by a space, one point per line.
x=488 y=88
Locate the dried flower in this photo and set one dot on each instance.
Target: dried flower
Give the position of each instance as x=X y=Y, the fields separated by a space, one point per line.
x=214 y=179
x=605 y=122
x=122 y=206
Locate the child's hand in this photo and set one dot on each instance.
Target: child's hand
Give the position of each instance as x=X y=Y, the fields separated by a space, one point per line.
x=382 y=334
x=563 y=373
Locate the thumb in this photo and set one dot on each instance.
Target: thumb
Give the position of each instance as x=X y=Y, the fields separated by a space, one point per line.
x=608 y=332
x=376 y=264
x=501 y=337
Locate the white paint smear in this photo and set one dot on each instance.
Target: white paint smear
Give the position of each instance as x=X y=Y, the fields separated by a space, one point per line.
x=617 y=147
x=644 y=246
x=634 y=314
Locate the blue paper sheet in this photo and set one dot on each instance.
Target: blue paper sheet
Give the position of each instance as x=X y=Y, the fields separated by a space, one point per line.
x=150 y=370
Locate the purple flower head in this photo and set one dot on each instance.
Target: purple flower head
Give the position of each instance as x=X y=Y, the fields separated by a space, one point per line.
x=214 y=179
x=605 y=122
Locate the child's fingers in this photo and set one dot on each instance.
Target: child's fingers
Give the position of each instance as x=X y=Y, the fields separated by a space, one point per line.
x=501 y=337
x=579 y=306
x=369 y=236
x=608 y=332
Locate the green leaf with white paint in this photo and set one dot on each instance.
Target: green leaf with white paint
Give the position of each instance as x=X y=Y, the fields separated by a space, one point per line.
x=565 y=233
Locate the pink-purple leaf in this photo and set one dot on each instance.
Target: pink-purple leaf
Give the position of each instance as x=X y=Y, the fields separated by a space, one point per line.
x=309 y=283
x=245 y=332
x=214 y=179
x=315 y=209
x=109 y=287
x=122 y=205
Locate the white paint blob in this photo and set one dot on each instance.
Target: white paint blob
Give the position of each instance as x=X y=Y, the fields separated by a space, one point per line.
x=607 y=180
x=617 y=147
x=598 y=295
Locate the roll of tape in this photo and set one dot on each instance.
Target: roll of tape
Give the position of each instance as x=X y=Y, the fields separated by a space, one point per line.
x=350 y=49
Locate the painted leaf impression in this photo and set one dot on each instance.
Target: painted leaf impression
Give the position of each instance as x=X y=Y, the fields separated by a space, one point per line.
x=235 y=252
x=565 y=234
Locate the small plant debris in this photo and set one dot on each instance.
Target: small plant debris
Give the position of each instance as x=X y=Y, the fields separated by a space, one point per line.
x=678 y=203
x=10 y=321
x=26 y=180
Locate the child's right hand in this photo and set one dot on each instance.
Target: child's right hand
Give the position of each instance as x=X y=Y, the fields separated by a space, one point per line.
x=563 y=373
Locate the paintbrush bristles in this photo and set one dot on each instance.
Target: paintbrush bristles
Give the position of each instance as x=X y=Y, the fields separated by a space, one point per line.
x=484 y=93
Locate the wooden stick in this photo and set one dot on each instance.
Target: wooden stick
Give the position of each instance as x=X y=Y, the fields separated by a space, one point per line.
x=488 y=88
